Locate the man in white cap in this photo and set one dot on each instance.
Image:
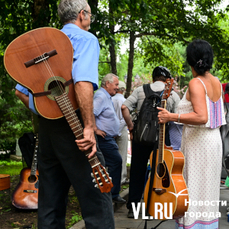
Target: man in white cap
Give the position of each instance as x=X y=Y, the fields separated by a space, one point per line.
x=122 y=138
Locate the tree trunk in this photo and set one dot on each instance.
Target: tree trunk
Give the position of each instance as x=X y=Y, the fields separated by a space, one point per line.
x=113 y=57
x=112 y=41
x=130 y=64
x=40 y=13
x=94 y=8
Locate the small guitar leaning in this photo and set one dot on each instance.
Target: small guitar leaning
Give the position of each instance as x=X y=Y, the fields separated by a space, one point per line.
x=41 y=60
x=169 y=189
x=25 y=195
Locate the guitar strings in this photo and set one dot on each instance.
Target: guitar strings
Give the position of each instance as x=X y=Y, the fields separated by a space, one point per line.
x=62 y=90
x=51 y=73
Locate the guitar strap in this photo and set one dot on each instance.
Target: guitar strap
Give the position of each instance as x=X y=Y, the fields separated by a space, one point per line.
x=38 y=94
x=152 y=173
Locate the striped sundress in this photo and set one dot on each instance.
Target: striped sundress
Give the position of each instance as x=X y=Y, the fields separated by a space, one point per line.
x=202 y=148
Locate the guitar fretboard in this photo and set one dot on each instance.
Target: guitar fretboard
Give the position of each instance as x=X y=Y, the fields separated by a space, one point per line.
x=34 y=163
x=68 y=111
x=161 y=137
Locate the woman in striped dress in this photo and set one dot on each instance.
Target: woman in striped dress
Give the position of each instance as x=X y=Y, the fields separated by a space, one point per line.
x=201 y=112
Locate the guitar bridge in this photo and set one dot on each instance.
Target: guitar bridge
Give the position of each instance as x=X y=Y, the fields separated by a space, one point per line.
x=159 y=191
x=41 y=58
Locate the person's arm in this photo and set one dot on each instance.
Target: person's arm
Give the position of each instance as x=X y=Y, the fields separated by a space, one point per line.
x=126 y=116
x=196 y=94
x=85 y=77
x=23 y=97
x=100 y=132
x=176 y=100
x=98 y=109
x=84 y=97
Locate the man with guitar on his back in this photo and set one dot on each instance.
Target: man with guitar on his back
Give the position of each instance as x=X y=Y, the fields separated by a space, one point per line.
x=61 y=162
x=140 y=153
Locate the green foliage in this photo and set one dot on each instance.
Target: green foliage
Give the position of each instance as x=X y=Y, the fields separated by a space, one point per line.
x=162 y=24
x=18 y=17
x=75 y=218
x=125 y=187
x=104 y=63
x=162 y=53
x=15 y=119
x=10 y=167
x=161 y=29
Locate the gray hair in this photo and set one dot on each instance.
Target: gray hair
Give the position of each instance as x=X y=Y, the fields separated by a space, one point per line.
x=108 y=77
x=122 y=89
x=68 y=10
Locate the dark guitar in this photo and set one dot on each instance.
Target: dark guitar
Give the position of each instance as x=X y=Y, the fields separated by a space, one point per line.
x=169 y=187
x=41 y=60
x=25 y=195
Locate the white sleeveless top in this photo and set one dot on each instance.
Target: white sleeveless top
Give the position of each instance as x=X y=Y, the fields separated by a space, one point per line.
x=216 y=117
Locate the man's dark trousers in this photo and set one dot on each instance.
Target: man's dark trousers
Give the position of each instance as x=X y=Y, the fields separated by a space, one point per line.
x=61 y=164
x=113 y=161
x=139 y=161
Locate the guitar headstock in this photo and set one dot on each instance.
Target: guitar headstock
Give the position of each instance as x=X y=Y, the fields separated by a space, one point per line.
x=168 y=88
x=101 y=178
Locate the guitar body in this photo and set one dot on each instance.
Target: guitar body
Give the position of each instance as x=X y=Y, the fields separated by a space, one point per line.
x=24 y=62
x=168 y=182
x=41 y=60
x=25 y=196
x=4 y=181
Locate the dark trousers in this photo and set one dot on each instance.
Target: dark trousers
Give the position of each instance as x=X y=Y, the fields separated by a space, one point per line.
x=113 y=161
x=139 y=160
x=61 y=164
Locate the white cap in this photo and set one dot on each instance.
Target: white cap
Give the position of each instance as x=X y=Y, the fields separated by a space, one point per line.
x=121 y=85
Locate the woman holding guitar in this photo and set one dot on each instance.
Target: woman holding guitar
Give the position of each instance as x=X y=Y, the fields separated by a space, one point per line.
x=201 y=112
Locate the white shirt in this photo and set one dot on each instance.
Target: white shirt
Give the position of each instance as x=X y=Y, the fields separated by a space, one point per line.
x=118 y=100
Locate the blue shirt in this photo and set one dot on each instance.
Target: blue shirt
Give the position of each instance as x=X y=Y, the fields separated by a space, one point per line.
x=85 y=54
x=105 y=115
x=26 y=92
x=85 y=58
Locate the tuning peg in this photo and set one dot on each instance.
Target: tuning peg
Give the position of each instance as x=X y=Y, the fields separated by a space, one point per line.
x=110 y=178
x=92 y=175
x=96 y=186
x=94 y=180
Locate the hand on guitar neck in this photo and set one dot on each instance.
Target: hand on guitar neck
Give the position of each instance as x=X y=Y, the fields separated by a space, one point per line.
x=84 y=97
x=88 y=142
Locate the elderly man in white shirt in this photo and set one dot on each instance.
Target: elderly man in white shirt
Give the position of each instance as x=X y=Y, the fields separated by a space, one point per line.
x=122 y=138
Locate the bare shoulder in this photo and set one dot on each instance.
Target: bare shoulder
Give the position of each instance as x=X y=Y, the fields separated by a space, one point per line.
x=195 y=84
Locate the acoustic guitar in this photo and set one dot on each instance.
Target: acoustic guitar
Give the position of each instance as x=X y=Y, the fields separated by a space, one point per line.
x=169 y=194
x=25 y=195
x=4 y=181
x=41 y=60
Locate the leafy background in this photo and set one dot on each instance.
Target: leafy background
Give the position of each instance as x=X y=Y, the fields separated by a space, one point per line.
x=155 y=33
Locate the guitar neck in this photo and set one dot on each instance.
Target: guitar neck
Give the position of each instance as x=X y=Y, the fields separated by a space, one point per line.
x=34 y=163
x=161 y=137
x=68 y=111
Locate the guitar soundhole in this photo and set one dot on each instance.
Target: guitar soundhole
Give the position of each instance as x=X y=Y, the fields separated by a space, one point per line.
x=56 y=87
x=166 y=178
x=32 y=178
x=160 y=170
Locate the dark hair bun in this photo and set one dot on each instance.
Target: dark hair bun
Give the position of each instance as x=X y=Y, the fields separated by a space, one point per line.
x=200 y=56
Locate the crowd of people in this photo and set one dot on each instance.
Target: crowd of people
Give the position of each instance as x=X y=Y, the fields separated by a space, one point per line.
x=193 y=124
